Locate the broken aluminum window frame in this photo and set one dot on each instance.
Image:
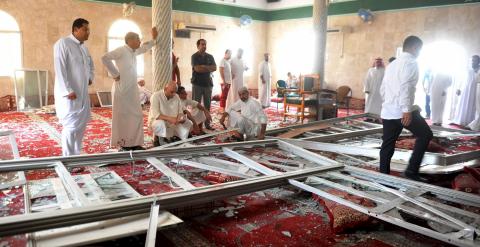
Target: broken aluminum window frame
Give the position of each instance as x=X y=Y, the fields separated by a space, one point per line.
x=464 y=237
x=268 y=133
x=105 y=101
x=41 y=91
x=19 y=224
x=437 y=159
x=196 y=198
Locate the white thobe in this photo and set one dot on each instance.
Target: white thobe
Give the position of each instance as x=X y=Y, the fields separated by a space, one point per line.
x=438 y=96
x=475 y=124
x=247 y=116
x=73 y=70
x=465 y=111
x=238 y=67
x=398 y=87
x=127 y=115
x=144 y=95
x=161 y=105
x=264 y=88
x=192 y=106
x=227 y=70
x=373 y=99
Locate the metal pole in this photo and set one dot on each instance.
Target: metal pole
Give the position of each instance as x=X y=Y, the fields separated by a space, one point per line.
x=162 y=52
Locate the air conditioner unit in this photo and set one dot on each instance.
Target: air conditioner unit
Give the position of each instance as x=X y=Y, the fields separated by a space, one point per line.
x=195 y=27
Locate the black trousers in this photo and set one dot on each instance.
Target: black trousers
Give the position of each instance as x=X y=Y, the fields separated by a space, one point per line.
x=392 y=128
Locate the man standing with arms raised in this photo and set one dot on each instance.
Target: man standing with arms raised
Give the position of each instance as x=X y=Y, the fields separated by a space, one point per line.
x=127 y=115
x=203 y=64
x=398 y=111
x=74 y=71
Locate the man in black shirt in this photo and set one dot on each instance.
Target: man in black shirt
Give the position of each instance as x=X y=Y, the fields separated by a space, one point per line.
x=203 y=64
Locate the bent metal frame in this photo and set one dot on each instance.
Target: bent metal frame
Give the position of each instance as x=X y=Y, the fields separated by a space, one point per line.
x=308 y=171
x=354 y=137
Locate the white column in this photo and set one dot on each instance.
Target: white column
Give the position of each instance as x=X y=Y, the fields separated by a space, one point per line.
x=320 y=14
x=162 y=52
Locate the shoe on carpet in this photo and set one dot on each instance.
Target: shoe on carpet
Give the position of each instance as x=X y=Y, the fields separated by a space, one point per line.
x=414 y=177
x=124 y=149
x=138 y=148
x=156 y=141
x=175 y=139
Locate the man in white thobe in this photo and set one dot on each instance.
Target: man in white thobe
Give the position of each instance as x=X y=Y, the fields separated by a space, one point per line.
x=127 y=115
x=143 y=93
x=194 y=111
x=465 y=112
x=438 y=96
x=265 y=83
x=226 y=75
x=74 y=71
x=475 y=124
x=166 y=118
x=373 y=81
x=247 y=115
x=238 y=67
x=427 y=85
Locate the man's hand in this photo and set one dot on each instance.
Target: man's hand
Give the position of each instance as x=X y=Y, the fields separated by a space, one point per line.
x=406 y=118
x=172 y=120
x=180 y=119
x=90 y=82
x=72 y=96
x=154 y=33
x=117 y=78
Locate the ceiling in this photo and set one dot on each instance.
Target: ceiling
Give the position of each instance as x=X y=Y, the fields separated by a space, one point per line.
x=263 y=5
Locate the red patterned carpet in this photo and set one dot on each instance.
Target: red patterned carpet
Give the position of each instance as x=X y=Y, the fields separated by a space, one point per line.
x=38 y=135
x=276 y=217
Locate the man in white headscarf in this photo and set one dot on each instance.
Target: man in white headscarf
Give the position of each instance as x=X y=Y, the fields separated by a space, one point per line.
x=74 y=71
x=265 y=83
x=127 y=115
x=438 y=96
x=247 y=115
x=144 y=93
x=475 y=74
x=465 y=111
x=238 y=67
x=373 y=81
